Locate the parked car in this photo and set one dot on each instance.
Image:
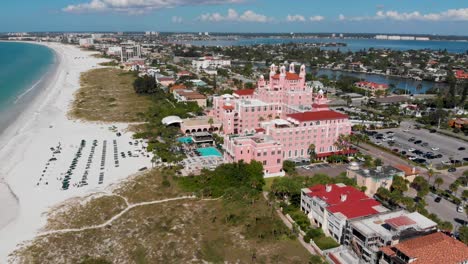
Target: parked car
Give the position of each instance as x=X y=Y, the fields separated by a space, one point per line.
x=460 y=209
x=432 y=131
x=461 y=148
x=452 y=169
x=411 y=139
x=417 y=142
x=437 y=199
x=425 y=144
x=435 y=148
x=411 y=149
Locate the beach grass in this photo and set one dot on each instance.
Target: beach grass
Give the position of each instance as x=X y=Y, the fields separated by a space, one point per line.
x=99 y=210
x=107 y=95
x=194 y=230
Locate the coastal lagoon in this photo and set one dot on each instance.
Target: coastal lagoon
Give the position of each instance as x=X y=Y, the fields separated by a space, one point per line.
x=23 y=70
x=410 y=85
x=352 y=44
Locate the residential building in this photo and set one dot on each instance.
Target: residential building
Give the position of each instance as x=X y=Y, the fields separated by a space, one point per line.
x=372 y=87
x=165 y=80
x=209 y=61
x=365 y=236
x=331 y=206
x=373 y=178
x=187 y=95
x=458 y=122
x=461 y=75
x=435 y=248
x=177 y=87
x=86 y=42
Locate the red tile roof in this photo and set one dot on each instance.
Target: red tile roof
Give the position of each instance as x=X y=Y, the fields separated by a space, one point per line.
x=289 y=76
x=402 y=220
x=184 y=73
x=356 y=204
x=387 y=251
x=432 y=249
x=372 y=85
x=342 y=152
x=354 y=209
x=245 y=92
x=317 y=115
x=177 y=87
x=461 y=74
x=228 y=107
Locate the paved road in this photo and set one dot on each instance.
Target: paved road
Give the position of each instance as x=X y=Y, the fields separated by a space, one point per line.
x=445 y=210
x=391 y=159
x=448 y=146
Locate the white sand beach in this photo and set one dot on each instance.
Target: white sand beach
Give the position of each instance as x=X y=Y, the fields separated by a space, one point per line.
x=38 y=150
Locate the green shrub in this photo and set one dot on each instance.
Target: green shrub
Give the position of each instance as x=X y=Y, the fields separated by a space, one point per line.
x=325 y=242
x=313 y=233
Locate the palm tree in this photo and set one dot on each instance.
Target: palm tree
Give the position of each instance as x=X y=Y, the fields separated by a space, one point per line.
x=342 y=142
x=312 y=153
x=439 y=181
x=430 y=173
x=419 y=87
x=211 y=122
x=453 y=187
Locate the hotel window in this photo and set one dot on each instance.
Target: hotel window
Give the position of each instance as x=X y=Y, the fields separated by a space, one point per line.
x=259 y=154
x=278 y=161
x=264 y=153
x=264 y=162
x=279 y=152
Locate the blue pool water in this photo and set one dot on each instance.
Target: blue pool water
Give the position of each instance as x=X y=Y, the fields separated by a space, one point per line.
x=210 y=151
x=186 y=140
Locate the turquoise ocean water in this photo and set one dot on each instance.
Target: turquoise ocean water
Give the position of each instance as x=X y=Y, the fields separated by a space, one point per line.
x=22 y=68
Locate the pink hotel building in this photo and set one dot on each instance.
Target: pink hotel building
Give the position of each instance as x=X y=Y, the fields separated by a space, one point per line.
x=278 y=121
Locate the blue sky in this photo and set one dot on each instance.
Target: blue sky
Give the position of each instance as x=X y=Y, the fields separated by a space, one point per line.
x=373 y=16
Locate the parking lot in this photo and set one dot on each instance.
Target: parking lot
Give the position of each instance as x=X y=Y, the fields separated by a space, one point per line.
x=422 y=146
x=331 y=170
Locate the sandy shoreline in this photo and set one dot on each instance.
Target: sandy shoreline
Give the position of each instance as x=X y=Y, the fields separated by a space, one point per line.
x=25 y=151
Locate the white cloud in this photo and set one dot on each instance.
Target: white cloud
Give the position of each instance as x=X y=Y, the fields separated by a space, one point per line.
x=316 y=18
x=232 y=15
x=138 y=6
x=177 y=19
x=341 y=17
x=295 y=18
x=449 y=15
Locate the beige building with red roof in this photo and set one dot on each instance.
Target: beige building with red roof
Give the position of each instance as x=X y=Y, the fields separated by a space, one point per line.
x=436 y=248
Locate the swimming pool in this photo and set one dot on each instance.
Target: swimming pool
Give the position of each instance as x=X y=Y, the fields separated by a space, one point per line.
x=210 y=151
x=186 y=140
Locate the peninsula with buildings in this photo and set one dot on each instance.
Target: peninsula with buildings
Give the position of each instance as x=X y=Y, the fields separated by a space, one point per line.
x=178 y=152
